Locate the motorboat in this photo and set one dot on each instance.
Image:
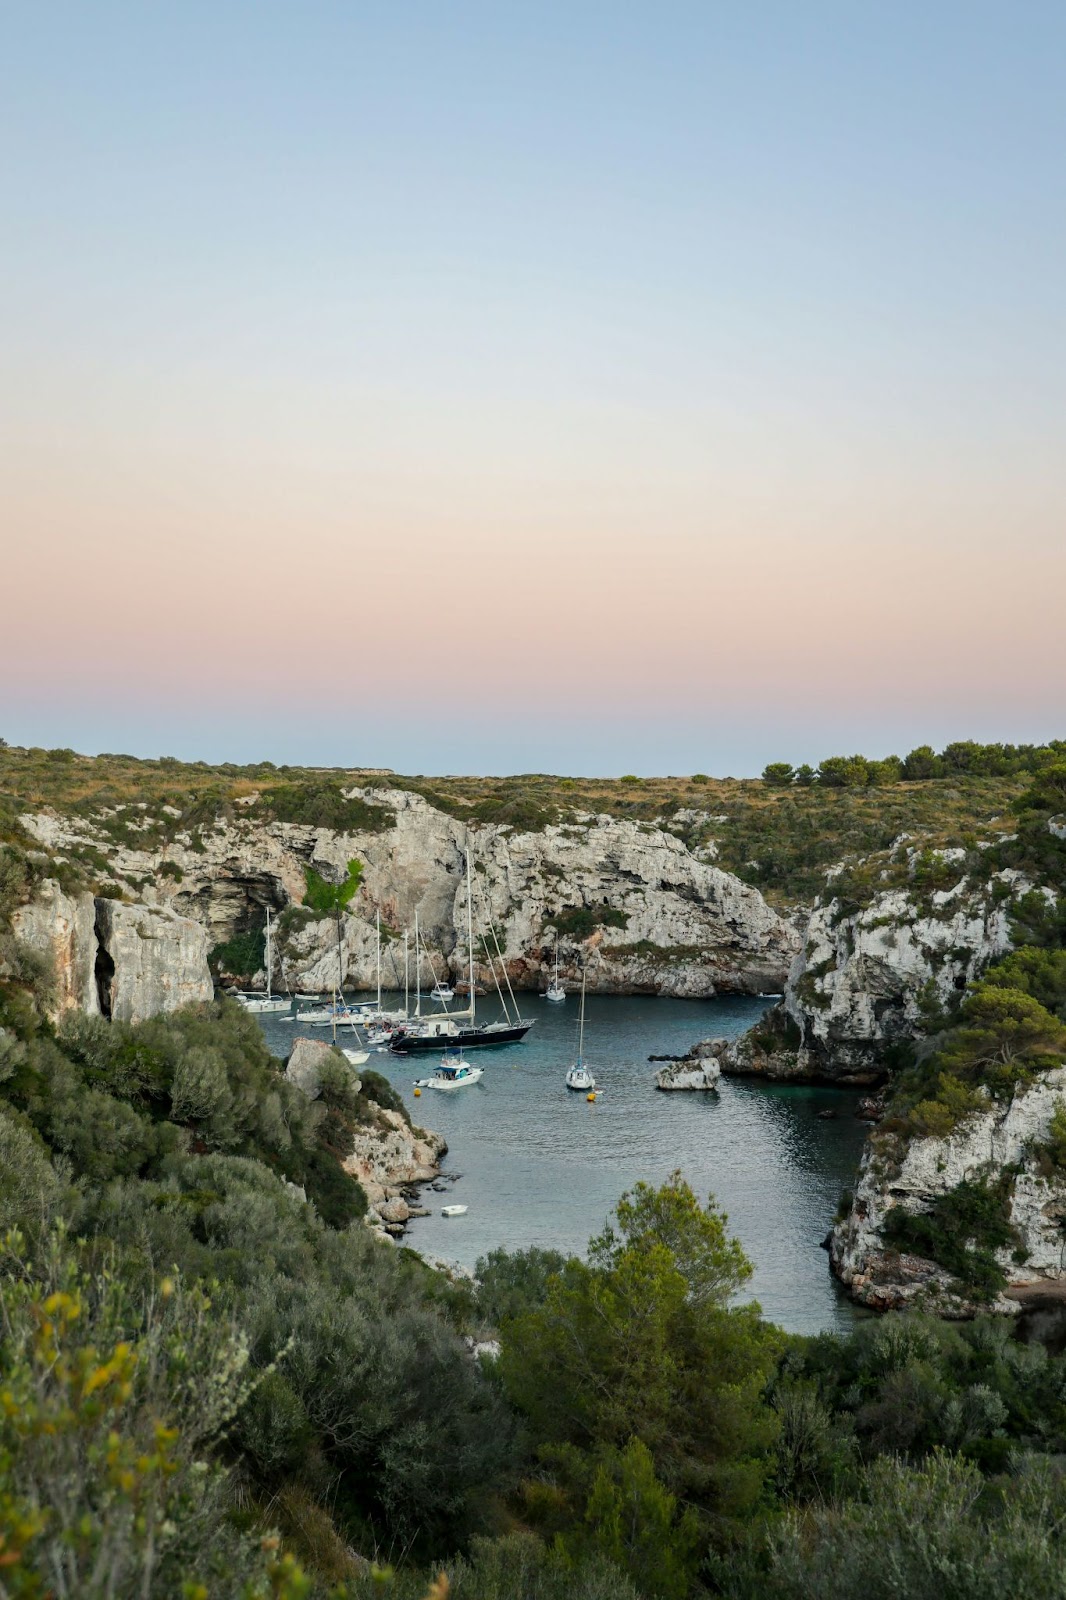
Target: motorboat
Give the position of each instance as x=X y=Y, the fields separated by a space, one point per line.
x=453 y=1073
x=578 y=1075
x=453 y=1211
x=442 y=992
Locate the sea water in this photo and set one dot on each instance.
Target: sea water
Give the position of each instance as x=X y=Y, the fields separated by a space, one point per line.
x=536 y=1164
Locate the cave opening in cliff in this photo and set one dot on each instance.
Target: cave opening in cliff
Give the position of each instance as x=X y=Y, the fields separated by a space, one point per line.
x=105 y=972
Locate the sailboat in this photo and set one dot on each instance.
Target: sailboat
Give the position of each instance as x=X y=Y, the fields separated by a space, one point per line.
x=578 y=1076
x=260 y=1003
x=460 y=1029
x=555 y=990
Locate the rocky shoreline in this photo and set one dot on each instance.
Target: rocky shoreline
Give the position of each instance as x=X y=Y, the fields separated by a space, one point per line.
x=392 y=1159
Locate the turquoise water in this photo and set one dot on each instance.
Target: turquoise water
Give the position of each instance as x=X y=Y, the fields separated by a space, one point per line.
x=540 y=1165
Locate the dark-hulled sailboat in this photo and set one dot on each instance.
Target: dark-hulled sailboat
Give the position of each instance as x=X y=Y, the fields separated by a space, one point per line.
x=460 y=1030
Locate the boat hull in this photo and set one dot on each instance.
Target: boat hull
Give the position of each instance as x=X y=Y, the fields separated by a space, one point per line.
x=462 y=1039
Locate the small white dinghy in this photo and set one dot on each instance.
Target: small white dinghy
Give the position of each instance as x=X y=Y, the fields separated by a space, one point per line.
x=453 y=1073
x=356 y=1058
x=452 y=1211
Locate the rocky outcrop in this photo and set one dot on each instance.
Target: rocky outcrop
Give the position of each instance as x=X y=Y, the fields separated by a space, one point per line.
x=699 y=1069
x=148 y=960
x=1001 y=1139
x=388 y=1155
x=860 y=980
x=304 y=1066
x=391 y=1157
x=869 y=976
x=125 y=961
x=62 y=928
x=676 y=924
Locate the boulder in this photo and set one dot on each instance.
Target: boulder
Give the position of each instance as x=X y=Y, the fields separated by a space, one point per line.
x=697 y=1070
x=304 y=1066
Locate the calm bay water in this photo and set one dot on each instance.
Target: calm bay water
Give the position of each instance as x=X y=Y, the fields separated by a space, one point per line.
x=540 y=1165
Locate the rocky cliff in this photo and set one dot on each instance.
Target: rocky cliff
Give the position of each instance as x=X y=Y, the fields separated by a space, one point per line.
x=1003 y=1145
x=645 y=913
x=871 y=975
x=123 y=961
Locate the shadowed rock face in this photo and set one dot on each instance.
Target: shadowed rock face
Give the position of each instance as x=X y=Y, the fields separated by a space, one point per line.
x=677 y=925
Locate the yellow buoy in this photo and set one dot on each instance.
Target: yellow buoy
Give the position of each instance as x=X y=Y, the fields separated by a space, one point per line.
x=590 y=1098
x=417 y=1093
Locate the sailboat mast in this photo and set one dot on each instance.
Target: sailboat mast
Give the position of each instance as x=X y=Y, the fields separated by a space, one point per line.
x=557 y=958
x=377 y=925
x=418 y=971
x=340 y=957
x=470 y=932
x=267 y=952
x=581 y=1023
x=406 y=974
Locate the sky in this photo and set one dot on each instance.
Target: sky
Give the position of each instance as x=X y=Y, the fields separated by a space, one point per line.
x=575 y=387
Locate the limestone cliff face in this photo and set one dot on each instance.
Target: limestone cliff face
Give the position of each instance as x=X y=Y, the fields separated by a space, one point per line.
x=150 y=960
x=857 y=982
x=63 y=928
x=1003 y=1136
x=864 y=978
x=688 y=928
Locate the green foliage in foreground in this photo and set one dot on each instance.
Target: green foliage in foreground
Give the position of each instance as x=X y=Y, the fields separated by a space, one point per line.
x=211 y=1387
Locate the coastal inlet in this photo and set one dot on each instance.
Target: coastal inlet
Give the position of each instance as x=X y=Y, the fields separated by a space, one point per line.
x=537 y=1165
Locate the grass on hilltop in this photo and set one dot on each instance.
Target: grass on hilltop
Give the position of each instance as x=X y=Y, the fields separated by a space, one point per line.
x=779 y=839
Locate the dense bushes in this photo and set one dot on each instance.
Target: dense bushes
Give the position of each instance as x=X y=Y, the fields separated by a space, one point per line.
x=963 y=758
x=323 y=804
x=580 y=922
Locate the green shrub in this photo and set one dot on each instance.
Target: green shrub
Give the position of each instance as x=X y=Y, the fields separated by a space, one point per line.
x=324 y=897
x=580 y=922
x=960 y=1232
x=324 y=805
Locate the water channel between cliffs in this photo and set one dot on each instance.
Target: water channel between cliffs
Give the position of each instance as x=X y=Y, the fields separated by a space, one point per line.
x=539 y=1165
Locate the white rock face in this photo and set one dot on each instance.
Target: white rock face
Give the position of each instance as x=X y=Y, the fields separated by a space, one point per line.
x=689 y=1074
x=63 y=929
x=390 y=1156
x=856 y=982
x=160 y=960
x=1003 y=1136
x=691 y=930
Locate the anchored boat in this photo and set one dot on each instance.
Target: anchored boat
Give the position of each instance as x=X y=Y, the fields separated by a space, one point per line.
x=461 y=1029
x=578 y=1076
x=453 y=1073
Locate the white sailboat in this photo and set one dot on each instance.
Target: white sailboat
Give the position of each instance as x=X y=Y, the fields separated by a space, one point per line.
x=578 y=1076
x=260 y=1003
x=555 y=990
